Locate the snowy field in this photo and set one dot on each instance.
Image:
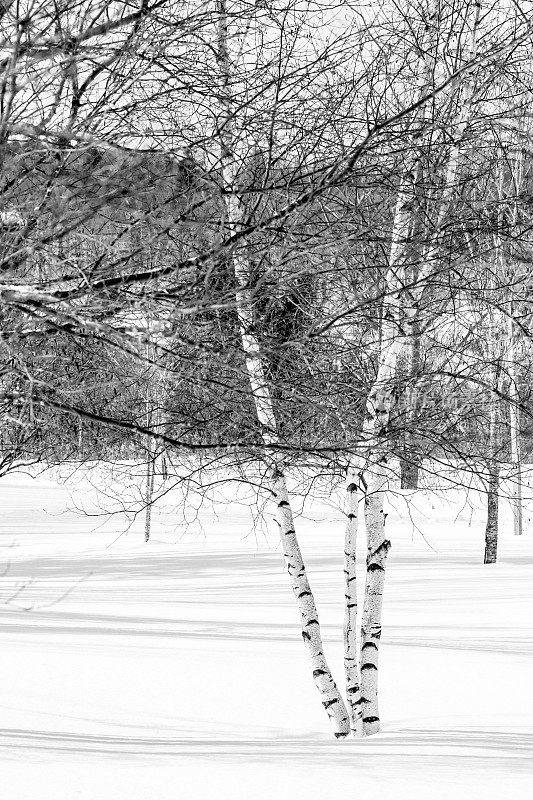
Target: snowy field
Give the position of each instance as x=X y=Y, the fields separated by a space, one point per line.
x=176 y=669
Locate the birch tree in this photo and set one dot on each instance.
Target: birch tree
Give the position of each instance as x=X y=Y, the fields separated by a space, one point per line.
x=329 y=693
x=517 y=186
x=372 y=470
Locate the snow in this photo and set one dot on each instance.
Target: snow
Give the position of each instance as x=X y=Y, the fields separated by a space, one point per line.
x=176 y=669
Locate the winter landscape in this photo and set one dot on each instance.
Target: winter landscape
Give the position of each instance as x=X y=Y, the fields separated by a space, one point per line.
x=177 y=667
x=266 y=440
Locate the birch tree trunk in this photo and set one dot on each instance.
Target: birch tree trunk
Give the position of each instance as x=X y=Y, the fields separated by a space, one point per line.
x=330 y=696
x=377 y=549
x=368 y=474
x=375 y=474
x=351 y=654
x=372 y=466
x=514 y=397
x=494 y=354
x=410 y=461
x=514 y=432
x=368 y=471
x=365 y=477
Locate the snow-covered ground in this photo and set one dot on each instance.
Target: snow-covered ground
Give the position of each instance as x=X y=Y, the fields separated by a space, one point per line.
x=176 y=670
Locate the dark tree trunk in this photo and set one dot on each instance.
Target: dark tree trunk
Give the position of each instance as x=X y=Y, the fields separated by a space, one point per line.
x=491 y=530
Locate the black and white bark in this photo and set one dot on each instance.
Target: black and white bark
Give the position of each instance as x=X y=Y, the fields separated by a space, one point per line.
x=514 y=431
x=351 y=653
x=410 y=457
x=375 y=473
x=330 y=695
x=400 y=339
x=378 y=547
x=369 y=470
x=512 y=357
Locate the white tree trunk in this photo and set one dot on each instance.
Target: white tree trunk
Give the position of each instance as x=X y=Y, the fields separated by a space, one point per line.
x=329 y=693
x=374 y=476
x=372 y=465
x=377 y=549
x=351 y=654
x=514 y=420
x=514 y=396
x=410 y=460
x=410 y=467
x=330 y=696
x=366 y=474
